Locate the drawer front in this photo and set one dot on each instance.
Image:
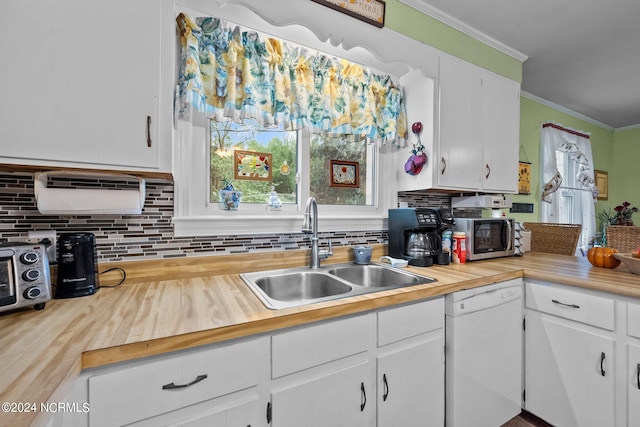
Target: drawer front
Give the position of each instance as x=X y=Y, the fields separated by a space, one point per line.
x=400 y=323
x=571 y=304
x=310 y=346
x=139 y=391
x=633 y=320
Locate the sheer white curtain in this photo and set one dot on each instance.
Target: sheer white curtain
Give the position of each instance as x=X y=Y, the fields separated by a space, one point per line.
x=575 y=149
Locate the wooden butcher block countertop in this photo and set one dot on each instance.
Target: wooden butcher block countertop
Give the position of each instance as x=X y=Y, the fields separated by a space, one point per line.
x=168 y=305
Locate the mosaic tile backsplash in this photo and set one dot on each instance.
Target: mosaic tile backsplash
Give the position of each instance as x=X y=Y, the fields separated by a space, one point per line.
x=150 y=235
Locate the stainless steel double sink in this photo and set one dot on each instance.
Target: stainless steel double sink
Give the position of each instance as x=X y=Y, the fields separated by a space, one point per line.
x=293 y=287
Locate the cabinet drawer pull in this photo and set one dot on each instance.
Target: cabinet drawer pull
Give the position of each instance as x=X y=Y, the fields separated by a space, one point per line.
x=566 y=305
x=268 y=412
x=638 y=375
x=149 y=142
x=364 y=397
x=488 y=169
x=386 y=388
x=444 y=165
x=602 y=357
x=173 y=386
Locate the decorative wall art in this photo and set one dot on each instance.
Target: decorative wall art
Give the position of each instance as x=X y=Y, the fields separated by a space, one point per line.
x=252 y=165
x=524 y=178
x=602 y=182
x=344 y=173
x=369 y=11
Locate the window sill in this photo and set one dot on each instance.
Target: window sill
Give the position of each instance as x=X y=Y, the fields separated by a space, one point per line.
x=242 y=224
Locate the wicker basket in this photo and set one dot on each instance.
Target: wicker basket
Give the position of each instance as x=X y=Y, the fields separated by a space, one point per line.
x=554 y=238
x=624 y=238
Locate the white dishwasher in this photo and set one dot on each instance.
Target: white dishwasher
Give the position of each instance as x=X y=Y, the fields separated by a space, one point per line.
x=484 y=355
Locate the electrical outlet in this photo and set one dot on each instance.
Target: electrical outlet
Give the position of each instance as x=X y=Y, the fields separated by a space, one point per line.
x=49 y=239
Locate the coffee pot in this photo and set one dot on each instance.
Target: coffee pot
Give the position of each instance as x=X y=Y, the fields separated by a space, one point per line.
x=413 y=235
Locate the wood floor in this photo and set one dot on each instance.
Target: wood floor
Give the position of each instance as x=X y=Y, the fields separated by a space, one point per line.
x=525 y=419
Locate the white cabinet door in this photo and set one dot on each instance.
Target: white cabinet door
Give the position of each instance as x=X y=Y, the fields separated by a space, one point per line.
x=25 y=84
x=569 y=374
x=633 y=385
x=500 y=133
x=84 y=82
x=106 y=80
x=460 y=139
x=342 y=398
x=411 y=384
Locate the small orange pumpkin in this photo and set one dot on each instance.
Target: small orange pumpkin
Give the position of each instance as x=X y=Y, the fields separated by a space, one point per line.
x=603 y=257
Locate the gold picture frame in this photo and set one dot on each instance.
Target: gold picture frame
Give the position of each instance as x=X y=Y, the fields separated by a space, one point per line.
x=602 y=182
x=252 y=165
x=369 y=11
x=344 y=173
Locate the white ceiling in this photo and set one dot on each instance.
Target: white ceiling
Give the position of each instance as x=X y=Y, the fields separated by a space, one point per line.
x=583 y=55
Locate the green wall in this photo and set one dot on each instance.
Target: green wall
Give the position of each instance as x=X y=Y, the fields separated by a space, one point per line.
x=405 y=20
x=532 y=115
x=616 y=152
x=623 y=181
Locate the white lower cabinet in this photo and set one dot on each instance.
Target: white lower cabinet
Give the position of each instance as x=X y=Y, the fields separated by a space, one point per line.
x=570 y=365
x=382 y=368
x=410 y=365
x=411 y=384
x=633 y=384
x=141 y=390
x=342 y=398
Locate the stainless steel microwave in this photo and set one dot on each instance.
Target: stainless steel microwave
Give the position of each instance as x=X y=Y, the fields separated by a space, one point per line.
x=487 y=237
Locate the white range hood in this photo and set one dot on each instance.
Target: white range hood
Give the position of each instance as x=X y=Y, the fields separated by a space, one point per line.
x=484 y=201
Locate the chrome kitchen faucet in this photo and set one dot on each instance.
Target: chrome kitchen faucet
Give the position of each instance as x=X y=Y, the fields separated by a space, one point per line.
x=310 y=225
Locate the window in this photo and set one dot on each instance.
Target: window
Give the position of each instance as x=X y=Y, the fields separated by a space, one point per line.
x=202 y=164
x=228 y=139
x=316 y=96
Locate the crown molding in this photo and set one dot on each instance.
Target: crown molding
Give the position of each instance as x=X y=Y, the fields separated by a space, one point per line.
x=464 y=28
x=565 y=110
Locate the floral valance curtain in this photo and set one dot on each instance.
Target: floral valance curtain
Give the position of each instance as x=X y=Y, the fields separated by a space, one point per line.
x=234 y=74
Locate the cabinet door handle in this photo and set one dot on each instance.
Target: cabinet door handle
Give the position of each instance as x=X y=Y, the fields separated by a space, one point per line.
x=268 y=412
x=149 y=142
x=602 y=357
x=638 y=375
x=488 y=169
x=173 y=386
x=364 y=397
x=386 y=388
x=566 y=305
x=444 y=165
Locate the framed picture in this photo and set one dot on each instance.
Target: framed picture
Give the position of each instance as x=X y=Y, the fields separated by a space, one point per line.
x=344 y=173
x=602 y=182
x=369 y=11
x=252 y=165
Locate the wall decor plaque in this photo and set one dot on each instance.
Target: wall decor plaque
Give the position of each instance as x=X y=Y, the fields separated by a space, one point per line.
x=369 y=11
x=602 y=182
x=252 y=165
x=344 y=173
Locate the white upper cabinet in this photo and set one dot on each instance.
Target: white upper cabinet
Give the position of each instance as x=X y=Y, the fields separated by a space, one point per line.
x=471 y=129
x=85 y=88
x=500 y=133
x=458 y=163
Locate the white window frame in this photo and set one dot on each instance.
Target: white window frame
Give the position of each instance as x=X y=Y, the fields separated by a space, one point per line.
x=194 y=215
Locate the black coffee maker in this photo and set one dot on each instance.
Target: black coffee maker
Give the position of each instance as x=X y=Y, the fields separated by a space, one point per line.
x=77 y=265
x=413 y=235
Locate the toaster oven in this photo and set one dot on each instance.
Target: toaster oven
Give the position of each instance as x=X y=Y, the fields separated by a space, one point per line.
x=25 y=279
